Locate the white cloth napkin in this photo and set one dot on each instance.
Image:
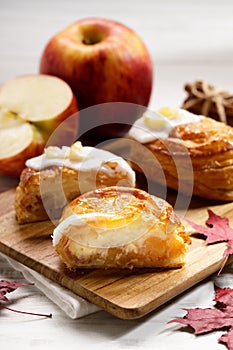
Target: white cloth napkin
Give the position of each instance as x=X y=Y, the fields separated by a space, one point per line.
x=73 y=305
x=77 y=307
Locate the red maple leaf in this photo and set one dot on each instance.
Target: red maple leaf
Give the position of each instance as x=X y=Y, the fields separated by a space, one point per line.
x=10 y=286
x=210 y=319
x=217 y=230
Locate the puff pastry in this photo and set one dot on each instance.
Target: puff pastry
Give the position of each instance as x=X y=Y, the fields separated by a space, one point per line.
x=53 y=179
x=193 y=151
x=119 y=227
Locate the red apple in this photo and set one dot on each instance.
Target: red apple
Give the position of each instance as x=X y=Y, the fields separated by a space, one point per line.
x=31 y=108
x=103 y=61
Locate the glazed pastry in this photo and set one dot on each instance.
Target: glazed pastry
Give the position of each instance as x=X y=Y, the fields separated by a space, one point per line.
x=119 y=227
x=186 y=152
x=59 y=175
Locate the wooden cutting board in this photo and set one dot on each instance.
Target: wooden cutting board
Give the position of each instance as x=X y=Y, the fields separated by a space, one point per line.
x=125 y=294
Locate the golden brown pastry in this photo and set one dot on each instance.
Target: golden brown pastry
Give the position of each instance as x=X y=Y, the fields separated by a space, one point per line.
x=191 y=152
x=53 y=179
x=119 y=227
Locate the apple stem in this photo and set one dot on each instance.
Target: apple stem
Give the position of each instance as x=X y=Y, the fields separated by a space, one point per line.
x=87 y=42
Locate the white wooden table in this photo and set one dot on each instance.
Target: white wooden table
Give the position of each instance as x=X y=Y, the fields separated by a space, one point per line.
x=187 y=40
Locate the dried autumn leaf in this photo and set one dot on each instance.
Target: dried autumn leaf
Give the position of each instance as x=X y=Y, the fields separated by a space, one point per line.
x=204 y=320
x=210 y=319
x=10 y=286
x=218 y=230
x=227 y=339
x=224 y=296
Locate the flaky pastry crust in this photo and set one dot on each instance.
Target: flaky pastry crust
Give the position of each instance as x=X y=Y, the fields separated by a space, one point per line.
x=207 y=145
x=120 y=228
x=30 y=203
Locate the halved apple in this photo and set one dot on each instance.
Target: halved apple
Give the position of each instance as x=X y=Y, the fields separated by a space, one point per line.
x=31 y=108
x=19 y=141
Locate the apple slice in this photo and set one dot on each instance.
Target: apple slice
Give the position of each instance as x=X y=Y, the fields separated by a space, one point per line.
x=41 y=99
x=19 y=141
x=31 y=108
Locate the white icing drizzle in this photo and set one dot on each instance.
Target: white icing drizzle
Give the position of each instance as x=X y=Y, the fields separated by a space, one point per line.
x=92 y=160
x=145 y=132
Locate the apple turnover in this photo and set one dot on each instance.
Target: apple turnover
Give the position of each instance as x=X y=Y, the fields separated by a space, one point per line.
x=120 y=227
x=194 y=152
x=59 y=175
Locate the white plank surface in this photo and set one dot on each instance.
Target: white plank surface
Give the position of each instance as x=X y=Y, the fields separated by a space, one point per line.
x=187 y=40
